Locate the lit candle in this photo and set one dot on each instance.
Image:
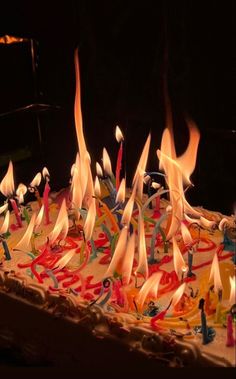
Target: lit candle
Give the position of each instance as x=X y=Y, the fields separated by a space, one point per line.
x=20 y=192
x=45 y=195
x=120 y=139
x=7 y=187
x=3 y=234
x=33 y=187
x=215 y=275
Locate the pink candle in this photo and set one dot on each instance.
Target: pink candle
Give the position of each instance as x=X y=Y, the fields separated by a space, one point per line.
x=230 y=333
x=16 y=211
x=45 y=202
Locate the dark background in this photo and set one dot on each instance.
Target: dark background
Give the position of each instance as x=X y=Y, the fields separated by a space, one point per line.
x=125 y=49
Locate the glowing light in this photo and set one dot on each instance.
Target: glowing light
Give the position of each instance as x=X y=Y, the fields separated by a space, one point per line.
x=7 y=186
x=179 y=263
x=215 y=273
x=119 y=135
x=37 y=180
x=120 y=197
x=106 y=162
x=150 y=287
x=5 y=224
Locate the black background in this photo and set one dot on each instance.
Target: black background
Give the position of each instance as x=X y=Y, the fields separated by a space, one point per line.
x=122 y=49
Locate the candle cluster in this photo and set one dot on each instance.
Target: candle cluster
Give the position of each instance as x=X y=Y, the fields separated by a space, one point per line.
x=156 y=258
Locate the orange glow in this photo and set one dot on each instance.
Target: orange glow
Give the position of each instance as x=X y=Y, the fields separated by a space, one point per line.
x=179 y=263
x=24 y=243
x=178 y=294
x=215 y=273
x=120 y=197
x=7 y=186
x=5 y=225
x=106 y=162
x=90 y=220
x=37 y=180
x=142 y=251
x=118 y=253
x=20 y=192
x=232 y=298
x=61 y=226
x=150 y=287
x=187 y=238
x=97 y=187
x=127 y=263
x=118 y=134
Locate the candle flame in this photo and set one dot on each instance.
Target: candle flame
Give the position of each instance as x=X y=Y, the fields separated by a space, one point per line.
x=128 y=259
x=90 y=220
x=24 y=243
x=63 y=261
x=20 y=192
x=215 y=273
x=3 y=208
x=120 y=197
x=232 y=298
x=5 y=225
x=223 y=223
x=106 y=162
x=37 y=180
x=206 y=223
x=76 y=190
x=187 y=238
x=45 y=173
x=178 y=294
x=178 y=171
x=61 y=226
x=128 y=210
x=97 y=187
x=142 y=251
x=179 y=263
x=155 y=185
x=7 y=186
x=39 y=217
x=99 y=170
x=150 y=287
x=118 y=253
x=119 y=134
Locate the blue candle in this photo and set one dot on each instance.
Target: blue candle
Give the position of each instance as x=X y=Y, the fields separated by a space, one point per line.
x=5 y=248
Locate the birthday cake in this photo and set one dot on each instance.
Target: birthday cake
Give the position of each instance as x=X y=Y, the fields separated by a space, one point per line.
x=97 y=266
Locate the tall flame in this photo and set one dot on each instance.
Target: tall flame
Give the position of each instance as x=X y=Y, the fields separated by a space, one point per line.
x=215 y=273
x=127 y=263
x=39 y=217
x=90 y=220
x=128 y=210
x=120 y=197
x=65 y=259
x=7 y=186
x=118 y=253
x=20 y=192
x=150 y=287
x=97 y=187
x=5 y=225
x=142 y=251
x=4 y=207
x=187 y=238
x=24 y=243
x=45 y=173
x=106 y=162
x=178 y=294
x=178 y=171
x=61 y=226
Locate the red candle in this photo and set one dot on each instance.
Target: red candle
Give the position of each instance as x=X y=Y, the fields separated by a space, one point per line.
x=16 y=211
x=119 y=138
